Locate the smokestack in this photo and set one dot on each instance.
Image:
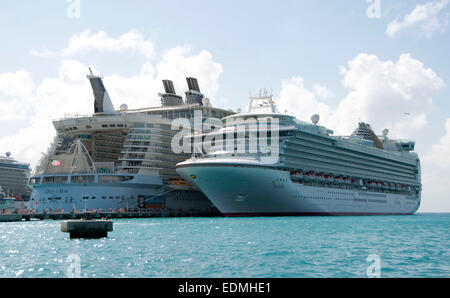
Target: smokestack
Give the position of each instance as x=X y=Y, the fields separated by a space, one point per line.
x=193 y=95
x=170 y=98
x=168 y=87
x=102 y=102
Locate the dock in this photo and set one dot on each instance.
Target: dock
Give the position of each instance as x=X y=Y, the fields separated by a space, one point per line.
x=99 y=215
x=10 y=217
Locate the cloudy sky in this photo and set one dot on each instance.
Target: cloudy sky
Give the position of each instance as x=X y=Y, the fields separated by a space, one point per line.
x=380 y=61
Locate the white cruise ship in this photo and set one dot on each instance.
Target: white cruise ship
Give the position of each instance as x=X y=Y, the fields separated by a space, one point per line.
x=14 y=177
x=119 y=159
x=311 y=173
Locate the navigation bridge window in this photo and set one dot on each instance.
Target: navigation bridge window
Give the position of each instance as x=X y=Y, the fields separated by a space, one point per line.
x=82 y=179
x=55 y=180
x=114 y=179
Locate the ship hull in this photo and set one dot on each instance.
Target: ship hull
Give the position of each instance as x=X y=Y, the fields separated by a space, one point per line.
x=106 y=197
x=238 y=190
x=111 y=197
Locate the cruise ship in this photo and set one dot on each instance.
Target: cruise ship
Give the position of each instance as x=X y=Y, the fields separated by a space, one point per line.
x=120 y=159
x=14 y=177
x=309 y=170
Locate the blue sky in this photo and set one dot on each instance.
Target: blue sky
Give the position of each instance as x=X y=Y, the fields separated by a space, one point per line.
x=258 y=44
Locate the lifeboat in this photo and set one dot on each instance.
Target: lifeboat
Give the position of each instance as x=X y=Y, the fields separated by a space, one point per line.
x=296 y=175
x=329 y=178
x=179 y=184
x=309 y=176
x=339 y=179
x=347 y=180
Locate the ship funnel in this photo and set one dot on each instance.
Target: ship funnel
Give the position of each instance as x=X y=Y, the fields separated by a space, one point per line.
x=170 y=98
x=102 y=103
x=193 y=84
x=168 y=87
x=193 y=96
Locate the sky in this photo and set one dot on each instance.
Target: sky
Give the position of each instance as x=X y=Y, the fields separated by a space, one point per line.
x=384 y=62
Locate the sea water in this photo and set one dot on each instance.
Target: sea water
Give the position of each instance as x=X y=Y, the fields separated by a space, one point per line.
x=399 y=246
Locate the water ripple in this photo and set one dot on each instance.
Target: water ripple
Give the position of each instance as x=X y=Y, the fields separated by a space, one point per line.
x=408 y=246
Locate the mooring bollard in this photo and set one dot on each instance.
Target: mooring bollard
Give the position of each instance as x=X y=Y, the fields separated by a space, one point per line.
x=89 y=229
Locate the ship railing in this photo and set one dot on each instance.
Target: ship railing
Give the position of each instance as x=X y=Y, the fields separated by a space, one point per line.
x=72 y=116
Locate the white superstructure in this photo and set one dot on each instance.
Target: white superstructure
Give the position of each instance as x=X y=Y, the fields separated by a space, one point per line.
x=14 y=177
x=119 y=159
x=312 y=173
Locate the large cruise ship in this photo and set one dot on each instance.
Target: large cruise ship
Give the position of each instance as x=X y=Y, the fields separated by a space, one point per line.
x=14 y=177
x=120 y=159
x=309 y=171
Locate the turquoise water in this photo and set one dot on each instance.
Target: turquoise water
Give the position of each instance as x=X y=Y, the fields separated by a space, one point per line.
x=408 y=246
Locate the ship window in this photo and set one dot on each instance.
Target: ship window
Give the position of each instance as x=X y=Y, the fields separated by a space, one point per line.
x=93 y=198
x=104 y=126
x=82 y=179
x=88 y=126
x=35 y=181
x=49 y=180
x=108 y=179
x=112 y=125
x=104 y=198
x=86 y=198
x=138 y=125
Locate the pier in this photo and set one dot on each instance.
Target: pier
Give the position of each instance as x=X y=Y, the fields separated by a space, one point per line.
x=15 y=217
x=10 y=217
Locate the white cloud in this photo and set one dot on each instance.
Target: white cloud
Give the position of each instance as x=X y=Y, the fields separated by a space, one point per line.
x=427 y=17
x=436 y=174
x=394 y=95
x=439 y=154
x=15 y=91
x=322 y=91
x=296 y=99
x=177 y=64
x=130 y=42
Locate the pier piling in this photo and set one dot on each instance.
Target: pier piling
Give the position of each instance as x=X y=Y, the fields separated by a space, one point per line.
x=89 y=229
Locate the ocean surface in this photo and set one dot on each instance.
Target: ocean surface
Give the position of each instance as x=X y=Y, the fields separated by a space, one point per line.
x=406 y=246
